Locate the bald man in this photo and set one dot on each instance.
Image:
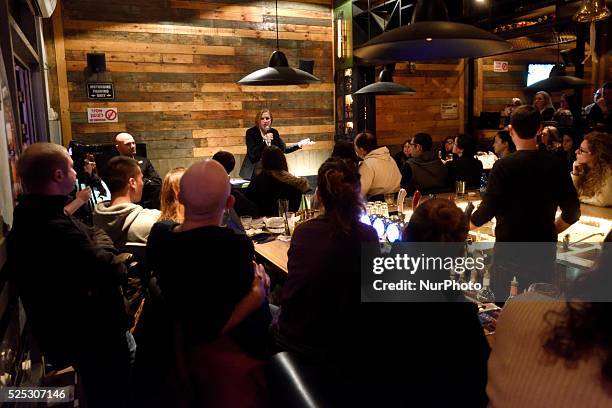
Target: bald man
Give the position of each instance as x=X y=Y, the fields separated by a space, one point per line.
x=70 y=288
x=126 y=146
x=209 y=273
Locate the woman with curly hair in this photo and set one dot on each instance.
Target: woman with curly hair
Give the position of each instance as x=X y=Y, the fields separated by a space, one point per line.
x=170 y=207
x=592 y=170
x=550 y=353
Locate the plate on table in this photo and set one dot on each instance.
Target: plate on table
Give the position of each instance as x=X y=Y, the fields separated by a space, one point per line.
x=275 y=223
x=258 y=223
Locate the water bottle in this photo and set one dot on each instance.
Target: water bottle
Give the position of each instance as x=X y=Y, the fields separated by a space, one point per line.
x=483 y=183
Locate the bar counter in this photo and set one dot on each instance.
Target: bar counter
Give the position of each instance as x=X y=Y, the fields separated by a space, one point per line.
x=593 y=220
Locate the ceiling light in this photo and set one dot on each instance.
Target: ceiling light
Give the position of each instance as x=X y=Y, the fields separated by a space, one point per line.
x=385 y=85
x=414 y=42
x=278 y=71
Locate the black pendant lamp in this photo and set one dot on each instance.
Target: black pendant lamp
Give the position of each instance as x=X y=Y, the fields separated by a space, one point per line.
x=278 y=71
x=385 y=85
x=431 y=36
x=557 y=81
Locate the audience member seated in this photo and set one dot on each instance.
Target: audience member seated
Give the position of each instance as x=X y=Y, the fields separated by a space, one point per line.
x=90 y=189
x=344 y=149
x=556 y=353
x=379 y=173
x=424 y=171
x=274 y=183
x=567 y=152
x=446 y=152
x=69 y=287
x=126 y=146
x=600 y=116
x=127 y=223
x=564 y=116
x=214 y=291
x=170 y=207
x=242 y=206
x=465 y=167
x=317 y=300
x=592 y=170
x=549 y=139
x=543 y=103
x=503 y=144
x=402 y=334
x=403 y=155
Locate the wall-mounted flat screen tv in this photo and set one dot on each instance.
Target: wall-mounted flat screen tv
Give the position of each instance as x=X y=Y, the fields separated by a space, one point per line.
x=537 y=72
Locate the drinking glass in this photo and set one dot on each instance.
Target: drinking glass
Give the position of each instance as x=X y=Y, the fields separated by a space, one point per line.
x=460 y=187
x=283 y=207
x=246 y=221
x=390 y=198
x=546 y=289
x=291 y=222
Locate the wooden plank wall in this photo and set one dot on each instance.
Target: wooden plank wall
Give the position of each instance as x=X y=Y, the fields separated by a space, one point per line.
x=175 y=63
x=400 y=117
x=498 y=88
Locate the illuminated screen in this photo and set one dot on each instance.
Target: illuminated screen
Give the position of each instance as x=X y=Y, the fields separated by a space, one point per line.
x=537 y=72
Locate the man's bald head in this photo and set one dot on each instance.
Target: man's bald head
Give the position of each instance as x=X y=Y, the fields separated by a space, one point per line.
x=125 y=144
x=205 y=190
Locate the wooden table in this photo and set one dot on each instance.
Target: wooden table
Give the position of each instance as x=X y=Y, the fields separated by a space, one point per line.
x=275 y=252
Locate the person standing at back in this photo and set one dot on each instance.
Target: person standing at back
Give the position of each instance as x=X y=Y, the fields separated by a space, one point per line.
x=126 y=146
x=523 y=193
x=69 y=286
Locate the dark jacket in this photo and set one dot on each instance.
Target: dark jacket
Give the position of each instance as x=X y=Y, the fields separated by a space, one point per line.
x=251 y=165
x=427 y=173
x=265 y=190
x=203 y=299
x=401 y=159
x=152 y=183
x=70 y=288
x=547 y=114
x=598 y=120
x=465 y=168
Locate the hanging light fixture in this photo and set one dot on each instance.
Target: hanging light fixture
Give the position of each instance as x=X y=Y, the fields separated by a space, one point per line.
x=592 y=10
x=385 y=85
x=431 y=36
x=557 y=79
x=278 y=71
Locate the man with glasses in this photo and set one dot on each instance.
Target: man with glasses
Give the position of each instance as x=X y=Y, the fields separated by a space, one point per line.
x=523 y=194
x=424 y=171
x=599 y=114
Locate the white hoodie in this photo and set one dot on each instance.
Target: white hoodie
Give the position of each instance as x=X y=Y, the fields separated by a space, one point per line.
x=126 y=224
x=379 y=173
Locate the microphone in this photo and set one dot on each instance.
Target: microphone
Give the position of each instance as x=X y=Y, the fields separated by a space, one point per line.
x=268 y=142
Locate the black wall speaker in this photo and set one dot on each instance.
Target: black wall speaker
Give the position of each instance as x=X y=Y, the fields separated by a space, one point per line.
x=307 y=65
x=96 y=62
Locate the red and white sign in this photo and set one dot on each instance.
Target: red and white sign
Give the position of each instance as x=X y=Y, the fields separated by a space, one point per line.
x=500 y=66
x=102 y=115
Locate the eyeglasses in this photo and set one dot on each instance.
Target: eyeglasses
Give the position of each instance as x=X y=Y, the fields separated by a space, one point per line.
x=582 y=151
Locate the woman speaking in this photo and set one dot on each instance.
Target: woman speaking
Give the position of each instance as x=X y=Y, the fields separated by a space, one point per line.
x=258 y=138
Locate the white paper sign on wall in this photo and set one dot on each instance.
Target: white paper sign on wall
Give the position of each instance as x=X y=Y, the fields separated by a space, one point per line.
x=102 y=115
x=449 y=110
x=500 y=66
